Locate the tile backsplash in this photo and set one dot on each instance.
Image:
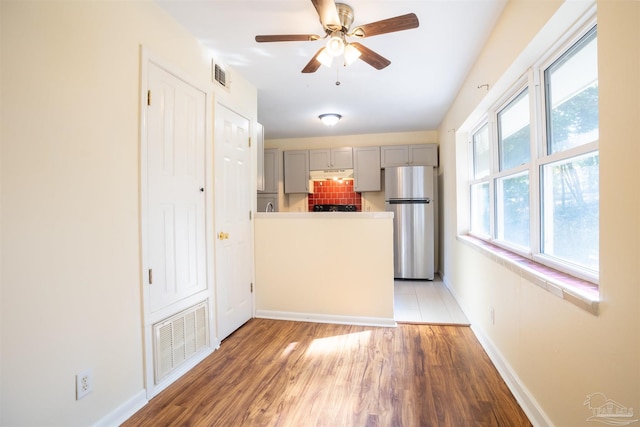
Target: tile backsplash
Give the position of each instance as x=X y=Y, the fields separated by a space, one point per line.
x=334 y=193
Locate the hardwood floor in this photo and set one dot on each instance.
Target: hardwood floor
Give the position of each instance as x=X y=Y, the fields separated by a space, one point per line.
x=279 y=373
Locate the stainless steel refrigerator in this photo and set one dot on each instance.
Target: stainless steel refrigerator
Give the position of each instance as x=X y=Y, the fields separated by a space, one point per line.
x=410 y=195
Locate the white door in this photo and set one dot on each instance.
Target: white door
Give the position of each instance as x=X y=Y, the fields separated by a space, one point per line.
x=233 y=197
x=175 y=188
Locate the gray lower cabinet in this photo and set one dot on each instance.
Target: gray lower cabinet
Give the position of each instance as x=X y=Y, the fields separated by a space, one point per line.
x=296 y=171
x=366 y=169
x=409 y=155
x=268 y=203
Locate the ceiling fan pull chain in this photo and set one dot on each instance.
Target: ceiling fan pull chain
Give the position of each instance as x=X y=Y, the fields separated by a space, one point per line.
x=337 y=75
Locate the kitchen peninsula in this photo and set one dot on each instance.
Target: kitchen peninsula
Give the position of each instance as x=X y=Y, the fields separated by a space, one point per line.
x=334 y=267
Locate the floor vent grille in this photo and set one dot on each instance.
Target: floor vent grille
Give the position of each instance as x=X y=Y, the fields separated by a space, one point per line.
x=178 y=338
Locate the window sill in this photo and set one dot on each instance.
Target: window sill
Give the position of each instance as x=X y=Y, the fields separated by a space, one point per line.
x=578 y=292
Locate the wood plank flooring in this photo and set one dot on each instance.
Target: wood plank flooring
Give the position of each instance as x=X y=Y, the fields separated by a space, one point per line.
x=280 y=373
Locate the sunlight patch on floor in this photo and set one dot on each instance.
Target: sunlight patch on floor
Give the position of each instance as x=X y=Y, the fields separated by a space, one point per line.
x=324 y=346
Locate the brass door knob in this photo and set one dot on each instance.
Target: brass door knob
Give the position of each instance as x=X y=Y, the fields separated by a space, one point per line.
x=223 y=235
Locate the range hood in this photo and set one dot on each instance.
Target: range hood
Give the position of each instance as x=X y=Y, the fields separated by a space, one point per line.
x=336 y=174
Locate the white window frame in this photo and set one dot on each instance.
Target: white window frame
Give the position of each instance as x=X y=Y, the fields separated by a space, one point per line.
x=534 y=81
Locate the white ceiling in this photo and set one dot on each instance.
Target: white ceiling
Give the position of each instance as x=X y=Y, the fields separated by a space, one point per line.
x=428 y=64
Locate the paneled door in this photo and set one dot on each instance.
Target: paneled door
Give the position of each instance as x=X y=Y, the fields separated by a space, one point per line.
x=175 y=187
x=233 y=198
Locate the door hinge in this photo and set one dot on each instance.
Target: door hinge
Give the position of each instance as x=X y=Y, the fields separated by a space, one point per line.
x=250 y=215
x=249 y=142
x=151 y=276
x=149 y=97
x=251 y=287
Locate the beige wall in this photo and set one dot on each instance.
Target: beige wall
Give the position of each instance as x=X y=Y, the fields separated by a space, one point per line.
x=362 y=140
x=297 y=277
x=559 y=353
x=70 y=284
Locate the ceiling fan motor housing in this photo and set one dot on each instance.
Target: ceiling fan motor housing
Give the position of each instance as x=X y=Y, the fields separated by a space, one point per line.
x=345 y=13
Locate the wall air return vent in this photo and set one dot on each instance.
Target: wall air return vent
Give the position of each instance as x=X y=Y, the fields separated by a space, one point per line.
x=178 y=338
x=220 y=75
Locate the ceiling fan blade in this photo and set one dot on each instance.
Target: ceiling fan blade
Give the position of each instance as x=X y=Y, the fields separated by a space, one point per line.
x=287 y=38
x=314 y=64
x=370 y=57
x=328 y=14
x=391 y=25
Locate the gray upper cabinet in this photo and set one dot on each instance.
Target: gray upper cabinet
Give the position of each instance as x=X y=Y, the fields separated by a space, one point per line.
x=409 y=155
x=334 y=158
x=296 y=171
x=260 y=151
x=366 y=169
x=271 y=168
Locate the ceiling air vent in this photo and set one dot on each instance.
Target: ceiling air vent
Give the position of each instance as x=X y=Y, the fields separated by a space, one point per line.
x=220 y=75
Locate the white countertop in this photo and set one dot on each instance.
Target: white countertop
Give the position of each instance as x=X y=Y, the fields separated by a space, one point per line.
x=324 y=215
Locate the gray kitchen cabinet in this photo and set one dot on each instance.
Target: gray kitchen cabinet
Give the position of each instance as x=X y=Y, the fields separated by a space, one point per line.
x=267 y=203
x=366 y=169
x=409 y=155
x=271 y=167
x=260 y=151
x=331 y=158
x=296 y=171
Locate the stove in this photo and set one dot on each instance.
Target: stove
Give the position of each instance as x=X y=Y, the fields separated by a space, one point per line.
x=334 y=208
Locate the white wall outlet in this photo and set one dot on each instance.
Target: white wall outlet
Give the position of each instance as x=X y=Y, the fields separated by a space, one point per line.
x=493 y=316
x=84 y=383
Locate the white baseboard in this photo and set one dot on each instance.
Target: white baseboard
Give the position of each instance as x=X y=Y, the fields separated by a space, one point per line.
x=123 y=412
x=326 y=318
x=526 y=400
x=180 y=371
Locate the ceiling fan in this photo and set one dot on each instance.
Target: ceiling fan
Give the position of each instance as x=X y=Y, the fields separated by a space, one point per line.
x=336 y=20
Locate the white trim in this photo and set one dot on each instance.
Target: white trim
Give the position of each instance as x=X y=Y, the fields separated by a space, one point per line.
x=526 y=400
x=522 y=395
x=326 y=318
x=180 y=371
x=123 y=412
x=147 y=57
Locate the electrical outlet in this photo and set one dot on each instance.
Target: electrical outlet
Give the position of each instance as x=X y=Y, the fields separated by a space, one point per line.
x=84 y=383
x=493 y=316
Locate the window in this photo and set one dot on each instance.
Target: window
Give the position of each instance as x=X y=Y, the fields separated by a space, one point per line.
x=535 y=165
x=514 y=132
x=481 y=153
x=572 y=96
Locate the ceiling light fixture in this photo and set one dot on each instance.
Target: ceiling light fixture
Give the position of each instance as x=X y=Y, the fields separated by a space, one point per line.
x=330 y=119
x=335 y=45
x=350 y=54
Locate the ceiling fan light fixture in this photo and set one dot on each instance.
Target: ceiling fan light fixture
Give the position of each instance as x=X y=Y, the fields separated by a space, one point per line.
x=329 y=119
x=335 y=45
x=351 y=54
x=325 y=58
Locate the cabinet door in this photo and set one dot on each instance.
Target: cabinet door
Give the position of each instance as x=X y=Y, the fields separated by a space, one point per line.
x=423 y=155
x=394 y=155
x=366 y=169
x=296 y=171
x=341 y=158
x=267 y=203
x=271 y=170
x=319 y=160
x=260 y=150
